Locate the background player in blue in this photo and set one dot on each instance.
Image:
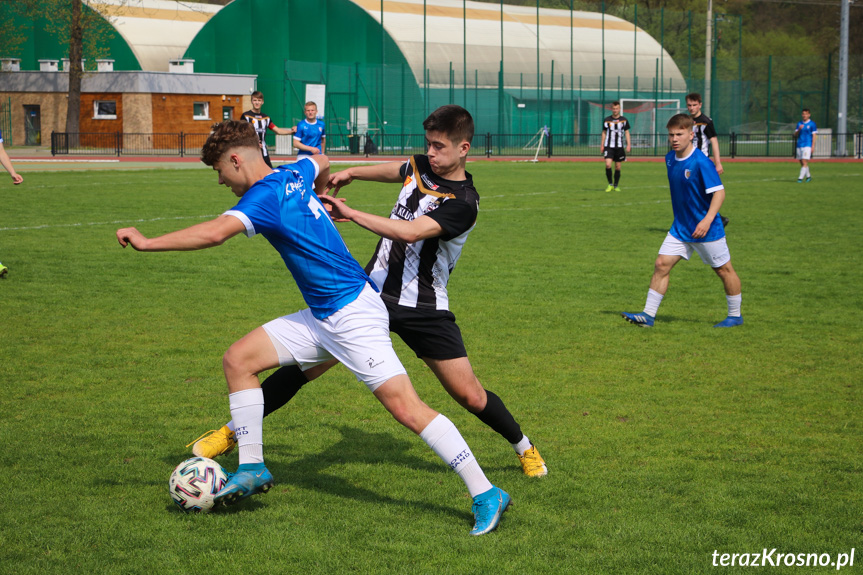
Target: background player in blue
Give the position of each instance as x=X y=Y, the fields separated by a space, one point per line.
x=806 y=134
x=311 y=137
x=696 y=196
x=346 y=319
x=421 y=243
x=16 y=179
x=262 y=123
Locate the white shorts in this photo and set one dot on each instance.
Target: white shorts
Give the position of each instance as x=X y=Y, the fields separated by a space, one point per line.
x=358 y=335
x=804 y=153
x=715 y=254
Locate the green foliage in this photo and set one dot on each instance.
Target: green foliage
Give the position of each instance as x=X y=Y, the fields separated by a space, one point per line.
x=663 y=445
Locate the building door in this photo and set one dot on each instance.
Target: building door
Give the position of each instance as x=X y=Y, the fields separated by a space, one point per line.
x=227 y=113
x=32 y=126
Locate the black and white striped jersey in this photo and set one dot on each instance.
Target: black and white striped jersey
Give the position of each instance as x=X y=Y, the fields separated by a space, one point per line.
x=261 y=123
x=703 y=130
x=416 y=275
x=615 y=131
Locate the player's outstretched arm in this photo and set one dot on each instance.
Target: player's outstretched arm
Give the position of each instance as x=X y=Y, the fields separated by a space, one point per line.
x=389 y=173
x=421 y=228
x=7 y=164
x=283 y=131
x=204 y=235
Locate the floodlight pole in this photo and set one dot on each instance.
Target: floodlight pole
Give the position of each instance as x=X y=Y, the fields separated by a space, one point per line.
x=708 y=58
x=842 y=123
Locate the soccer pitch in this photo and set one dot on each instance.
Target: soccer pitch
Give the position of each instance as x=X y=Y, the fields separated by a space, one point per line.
x=666 y=447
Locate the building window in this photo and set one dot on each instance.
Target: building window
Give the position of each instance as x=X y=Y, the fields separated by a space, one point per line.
x=105 y=110
x=201 y=111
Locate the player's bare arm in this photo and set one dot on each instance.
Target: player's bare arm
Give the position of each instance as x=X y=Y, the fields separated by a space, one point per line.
x=397 y=230
x=389 y=173
x=628 y=142
x=714 y=147
x=704 y=225
x=284 y=131
x=204 y=235
x=602 y=142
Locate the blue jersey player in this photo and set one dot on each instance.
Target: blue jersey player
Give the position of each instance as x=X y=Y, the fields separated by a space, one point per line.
x=311 y=136
x=696 y=196
x=806 y=134
x=345 y=320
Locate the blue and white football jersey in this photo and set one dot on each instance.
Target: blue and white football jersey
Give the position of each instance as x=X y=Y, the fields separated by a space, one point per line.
x=804 y=133
x=284 y=208
x=310 y=135
x=693 y=180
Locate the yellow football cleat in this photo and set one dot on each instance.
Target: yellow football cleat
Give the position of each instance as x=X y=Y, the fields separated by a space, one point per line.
x=214 y=443
x=3 y=270
x=532 y=463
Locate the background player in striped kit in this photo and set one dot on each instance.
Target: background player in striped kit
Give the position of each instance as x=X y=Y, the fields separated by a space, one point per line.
x=16 y=179
x=705 y=135
x=262 y=123
x=419 y=247
x=615 y=131
x=806 y=134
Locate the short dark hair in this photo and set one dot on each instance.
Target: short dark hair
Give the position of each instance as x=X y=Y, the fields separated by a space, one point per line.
x=226 y=135
x=258 y=94
x=680 y=121
x=615 y=103
x=805 y=110
x=452 y=120
x=694 y=97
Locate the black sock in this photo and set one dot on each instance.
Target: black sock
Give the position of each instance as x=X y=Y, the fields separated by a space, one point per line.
x=616 y=177
x=498 y=417
x=608 y=175
x=281 y=386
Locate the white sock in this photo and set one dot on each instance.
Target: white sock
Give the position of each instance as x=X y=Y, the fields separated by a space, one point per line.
x=802 y=173
x=734 y=304
x=807 y=172
x=522 y=445
x=651 y=306
x=247 y=411
x=445 y=440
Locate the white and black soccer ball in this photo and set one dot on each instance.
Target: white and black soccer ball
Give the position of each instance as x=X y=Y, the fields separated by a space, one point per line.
x=195 y=482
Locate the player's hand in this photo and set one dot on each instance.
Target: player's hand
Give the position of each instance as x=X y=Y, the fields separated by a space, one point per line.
x=315 y=151
x=719 y=169
x=337 y=181
x=132 y=237
x=337 y=207
x=701 y=229
x=17 y=179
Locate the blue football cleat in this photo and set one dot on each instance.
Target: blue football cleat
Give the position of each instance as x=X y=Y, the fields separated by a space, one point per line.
x=248 y=480
x=808 y=179
x=488 y=508
x=730 y=321
x=639 y=319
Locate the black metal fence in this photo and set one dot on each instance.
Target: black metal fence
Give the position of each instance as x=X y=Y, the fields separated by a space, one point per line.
x=490 y=145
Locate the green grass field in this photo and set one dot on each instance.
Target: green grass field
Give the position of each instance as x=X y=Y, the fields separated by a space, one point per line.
x=663 y=445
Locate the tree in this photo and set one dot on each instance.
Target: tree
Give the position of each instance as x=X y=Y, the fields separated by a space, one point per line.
x=82 y=27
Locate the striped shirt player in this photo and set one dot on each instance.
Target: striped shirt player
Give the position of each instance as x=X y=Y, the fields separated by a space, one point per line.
x=261 y=122
x=615 y=144
x=704 y=132
x=614 y=130
x=416 y=275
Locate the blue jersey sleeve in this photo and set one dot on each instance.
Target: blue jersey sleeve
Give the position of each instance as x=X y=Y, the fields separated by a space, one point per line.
x=709 y=176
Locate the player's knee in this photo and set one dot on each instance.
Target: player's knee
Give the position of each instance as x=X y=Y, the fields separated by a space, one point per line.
x=232 y=361
x=470 y=395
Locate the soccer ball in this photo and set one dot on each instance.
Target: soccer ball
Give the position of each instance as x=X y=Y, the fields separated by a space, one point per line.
x=195 y=482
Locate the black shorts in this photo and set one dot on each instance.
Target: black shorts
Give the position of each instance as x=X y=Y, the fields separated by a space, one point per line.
x=615 y=154
x=429 y=333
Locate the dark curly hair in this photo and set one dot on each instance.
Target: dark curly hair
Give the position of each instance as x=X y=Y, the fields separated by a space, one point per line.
x=226 y=135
